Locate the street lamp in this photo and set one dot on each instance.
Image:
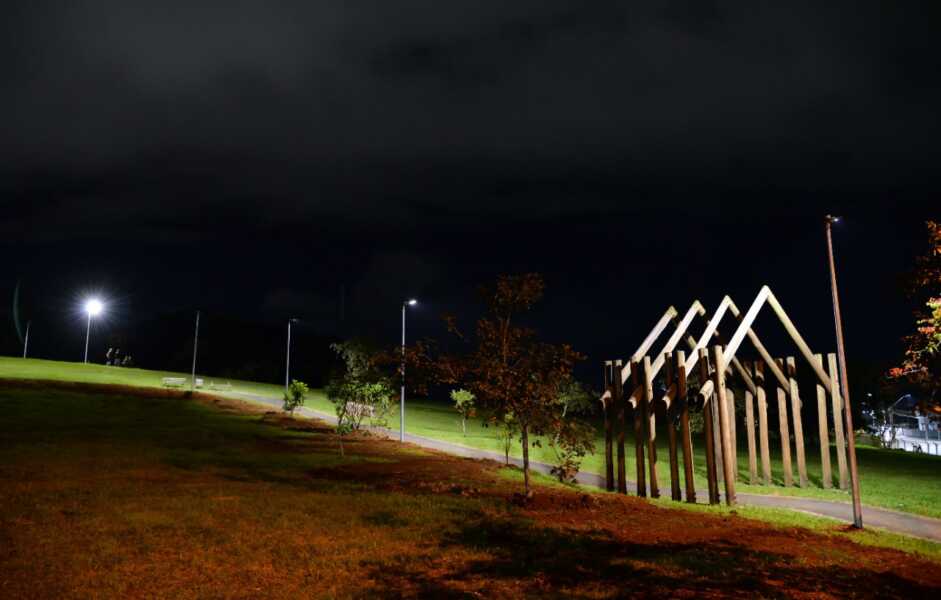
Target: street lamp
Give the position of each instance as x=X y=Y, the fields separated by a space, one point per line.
x=195 y=347
x=405 y=304
x=847 y=407
x=287 y=365
x=93 y=307
x=26 y=338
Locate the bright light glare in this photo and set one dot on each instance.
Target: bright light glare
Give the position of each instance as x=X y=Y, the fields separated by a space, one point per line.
x=94 y=307
x=412 y=302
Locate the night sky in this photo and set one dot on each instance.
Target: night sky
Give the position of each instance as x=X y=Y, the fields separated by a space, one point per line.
x=262 y=160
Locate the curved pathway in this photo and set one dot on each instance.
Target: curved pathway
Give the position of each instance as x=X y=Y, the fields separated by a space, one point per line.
x=896 y=522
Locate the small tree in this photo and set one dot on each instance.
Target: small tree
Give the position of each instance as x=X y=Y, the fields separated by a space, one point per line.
x=464 y=404
x=512 y=372
x=508 y=432
x=572 y=438
x=294 y=396
x=922 y=363
x=361 y=392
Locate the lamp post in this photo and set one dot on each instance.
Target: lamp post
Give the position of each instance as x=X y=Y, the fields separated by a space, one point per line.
x=26 y=338
x=841 y=354
x=405 y=304
x=287 y=365
x=195 y=345
x=93 y=307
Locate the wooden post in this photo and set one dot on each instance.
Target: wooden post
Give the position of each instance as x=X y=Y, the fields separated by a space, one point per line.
x=763 y=443
x=641 y=475
x=823 y=432
x=798 y=422
x=684 y=427
x=650 y=418
x=718 y=361
x=733 y=430
x=608 y=437
x=785 y=433
x=838 y=421
x=671 y=412
x=619 y=403
x=708 y=426
x=750 y=434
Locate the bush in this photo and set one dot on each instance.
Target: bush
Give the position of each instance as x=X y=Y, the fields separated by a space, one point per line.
x=294 y=396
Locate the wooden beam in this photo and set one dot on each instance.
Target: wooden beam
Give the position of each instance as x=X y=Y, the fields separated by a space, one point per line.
x=620 y=407
x=785 y=434
x=650 y=419
x=823 y=433
x=640 y=474
x=685 y=433
x=675 y=492
x=718 y=360
x=709 y=426
x=838 y=421
x=750 y=433
x=764 y=444
x=733 y=430
x=644 y=347
x=798 y=422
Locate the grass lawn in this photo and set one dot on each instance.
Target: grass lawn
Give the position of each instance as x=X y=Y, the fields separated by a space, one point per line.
x=888 y=478
x=133 y=495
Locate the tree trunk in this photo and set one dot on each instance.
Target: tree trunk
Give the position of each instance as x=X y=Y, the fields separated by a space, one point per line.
x=525 y=440
x=464 y=427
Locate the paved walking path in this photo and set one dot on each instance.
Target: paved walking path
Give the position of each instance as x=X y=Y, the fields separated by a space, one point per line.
x=896 y=522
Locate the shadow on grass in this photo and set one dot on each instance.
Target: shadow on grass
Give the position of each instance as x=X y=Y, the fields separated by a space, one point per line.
x=538 y=561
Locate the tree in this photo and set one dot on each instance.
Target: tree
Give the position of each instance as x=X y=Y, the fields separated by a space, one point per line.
x=464 y=404
x=569 y=443
x=514 y=374
x=922 y=363
x=294 y=396
x=360 y=392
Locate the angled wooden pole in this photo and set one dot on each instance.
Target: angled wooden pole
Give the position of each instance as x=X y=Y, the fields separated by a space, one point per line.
x=607 y=404
x=718 y=361
x=733 y=430
x=750 y=434
x=798 y=422
x=785 y=434
x=650 y=419
x=671 y=412
x=823 y=432
x=685 y=433
x=763 y=442
x=620 y=407
x=708 y=426
x=717 y=434
x=640 y=472
x=838 y=422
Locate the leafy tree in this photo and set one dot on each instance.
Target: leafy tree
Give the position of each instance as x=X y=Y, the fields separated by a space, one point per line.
x=922 y=363
x=294 y=396
x=361 y=392
x=513 y=373
x=568 y=444
x=464 y=404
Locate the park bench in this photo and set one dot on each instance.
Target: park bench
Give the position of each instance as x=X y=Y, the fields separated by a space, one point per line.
x=199 y=382
x=174 y=381
x=222 y=387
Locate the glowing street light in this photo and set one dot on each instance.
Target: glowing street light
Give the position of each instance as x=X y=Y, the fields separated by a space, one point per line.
x=93 y=307
x=287 y=362
x=410 y=302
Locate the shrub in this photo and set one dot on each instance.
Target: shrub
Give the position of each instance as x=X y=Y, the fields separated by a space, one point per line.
x=294 y=396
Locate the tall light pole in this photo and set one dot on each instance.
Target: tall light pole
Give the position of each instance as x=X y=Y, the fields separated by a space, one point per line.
x=287 y=365
x=93 y=307
x=26 y=338
x=195 y=344
x=405 y=305
x=841 y=354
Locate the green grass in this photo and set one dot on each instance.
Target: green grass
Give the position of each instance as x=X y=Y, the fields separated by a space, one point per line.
x=889 y=479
